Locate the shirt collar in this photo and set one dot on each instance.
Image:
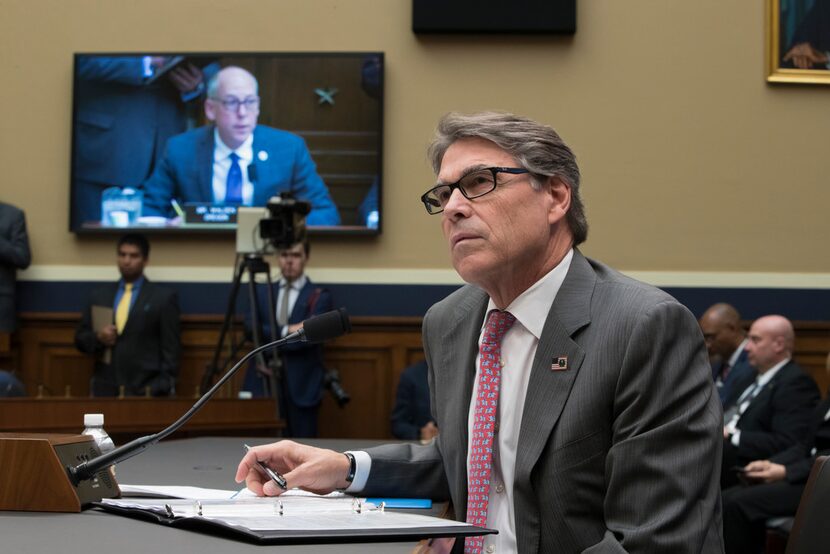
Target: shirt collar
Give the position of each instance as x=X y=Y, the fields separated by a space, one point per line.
x=733 y=359
x=221 y=150
x=767 y=376
x=298 y=284
x=531 y=308
x=136 y=284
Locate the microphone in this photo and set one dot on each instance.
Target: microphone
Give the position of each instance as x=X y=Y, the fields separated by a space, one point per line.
x=252 y=173
x=316 y=329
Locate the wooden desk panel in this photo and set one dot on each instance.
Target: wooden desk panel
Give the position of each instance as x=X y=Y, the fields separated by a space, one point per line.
x=138 y=416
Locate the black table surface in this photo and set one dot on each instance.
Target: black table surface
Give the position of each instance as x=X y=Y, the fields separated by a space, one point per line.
x=208 y=462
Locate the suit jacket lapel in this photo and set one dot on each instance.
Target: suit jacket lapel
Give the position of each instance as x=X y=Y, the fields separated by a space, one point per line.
x=205 y=165
x=550 y=384
x=263 y=176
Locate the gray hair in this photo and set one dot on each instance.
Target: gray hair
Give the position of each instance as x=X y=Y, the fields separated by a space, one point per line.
x=213 y=82
x=537 y=147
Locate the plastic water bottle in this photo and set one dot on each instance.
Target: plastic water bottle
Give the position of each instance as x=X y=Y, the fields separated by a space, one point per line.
x=94 y=427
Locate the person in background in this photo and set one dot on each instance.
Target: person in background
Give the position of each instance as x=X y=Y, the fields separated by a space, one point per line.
x=774 y=411
x=302 y=366
x=14 y=255
x=411 y=416
x=772 y=487
x=726 y=343
x=137 y=345
x=234 y=160
x=123 y=118
x=578 y=401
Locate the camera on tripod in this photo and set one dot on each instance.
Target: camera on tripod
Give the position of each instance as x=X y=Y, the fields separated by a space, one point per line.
x=277 y=226
x=285 y=224
x=331 y=382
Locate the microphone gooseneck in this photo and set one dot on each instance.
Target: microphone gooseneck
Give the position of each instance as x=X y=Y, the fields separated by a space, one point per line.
x=316 y=329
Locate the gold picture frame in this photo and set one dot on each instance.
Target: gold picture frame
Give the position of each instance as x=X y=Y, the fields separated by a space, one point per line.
x=790 y=18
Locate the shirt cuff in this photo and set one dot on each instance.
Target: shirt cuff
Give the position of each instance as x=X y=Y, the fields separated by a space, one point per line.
x=363 y=464
x=736 y=438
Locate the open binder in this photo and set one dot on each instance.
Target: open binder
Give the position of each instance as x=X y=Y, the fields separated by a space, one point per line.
x=291 y=520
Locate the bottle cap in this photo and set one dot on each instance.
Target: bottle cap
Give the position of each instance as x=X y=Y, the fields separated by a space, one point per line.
x=93 y=420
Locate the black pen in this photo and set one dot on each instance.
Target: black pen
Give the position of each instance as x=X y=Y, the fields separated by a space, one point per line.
x=275 y=477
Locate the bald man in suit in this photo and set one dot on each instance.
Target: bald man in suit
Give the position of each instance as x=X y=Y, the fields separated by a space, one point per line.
x=608 y=424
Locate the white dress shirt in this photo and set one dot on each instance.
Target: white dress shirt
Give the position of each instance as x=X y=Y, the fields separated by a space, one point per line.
x=222 y=164
x=293 y=293
x=518 y=349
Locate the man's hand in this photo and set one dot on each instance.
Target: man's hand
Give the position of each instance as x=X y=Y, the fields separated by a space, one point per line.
x=765 y=471
x=186 y=77
x=805 y=56
x=107 y=335
x=429 y=431
x=314 y=469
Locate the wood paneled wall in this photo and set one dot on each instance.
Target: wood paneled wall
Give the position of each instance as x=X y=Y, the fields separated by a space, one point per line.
x=369 y=361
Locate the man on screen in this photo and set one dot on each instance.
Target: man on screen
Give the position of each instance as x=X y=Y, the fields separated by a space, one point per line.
x=576 y=405
x=234 y=160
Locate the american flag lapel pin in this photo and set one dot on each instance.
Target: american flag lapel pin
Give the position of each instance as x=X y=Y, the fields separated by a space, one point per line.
x=559 y=364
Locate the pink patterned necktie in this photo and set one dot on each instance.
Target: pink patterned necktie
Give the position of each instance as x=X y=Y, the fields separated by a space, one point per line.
x=487 y=403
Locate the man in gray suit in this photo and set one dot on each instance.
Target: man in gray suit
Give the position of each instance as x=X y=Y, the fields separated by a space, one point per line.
x=608 y=425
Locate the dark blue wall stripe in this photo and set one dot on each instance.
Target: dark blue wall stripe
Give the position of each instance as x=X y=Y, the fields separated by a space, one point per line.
x=413 y=300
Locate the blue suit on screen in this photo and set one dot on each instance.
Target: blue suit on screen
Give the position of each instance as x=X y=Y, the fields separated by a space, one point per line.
x=282 y=161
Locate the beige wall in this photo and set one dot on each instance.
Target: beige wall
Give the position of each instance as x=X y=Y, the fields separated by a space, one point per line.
x=690 y=160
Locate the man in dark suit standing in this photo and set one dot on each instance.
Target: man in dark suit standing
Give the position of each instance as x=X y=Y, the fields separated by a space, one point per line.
x=303 y=370
x=576 y=405
x=774 y=412
x=726 y=343
x=137 y=345
x=236 y=161
x=14 y=255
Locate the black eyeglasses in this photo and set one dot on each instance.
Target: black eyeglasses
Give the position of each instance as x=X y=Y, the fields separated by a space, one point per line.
x=232 y=103
x=472 y=185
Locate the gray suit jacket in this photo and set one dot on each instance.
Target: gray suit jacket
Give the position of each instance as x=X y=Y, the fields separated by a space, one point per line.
x=618 y=453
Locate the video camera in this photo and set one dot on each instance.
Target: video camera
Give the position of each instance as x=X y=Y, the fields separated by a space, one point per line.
x=285 y=224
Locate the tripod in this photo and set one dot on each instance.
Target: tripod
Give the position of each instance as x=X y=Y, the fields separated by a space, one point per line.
x=252 y=264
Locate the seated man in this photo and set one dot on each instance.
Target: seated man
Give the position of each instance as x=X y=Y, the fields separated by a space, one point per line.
x=411 y=417
x=137 y=347
x=236 y=161
x=726 y=342
x=774 y=412
x=773 y=487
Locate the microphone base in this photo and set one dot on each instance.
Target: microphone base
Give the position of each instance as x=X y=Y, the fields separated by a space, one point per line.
x=35 y=477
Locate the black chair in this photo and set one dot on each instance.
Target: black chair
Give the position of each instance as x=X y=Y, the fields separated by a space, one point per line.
x=811 y=531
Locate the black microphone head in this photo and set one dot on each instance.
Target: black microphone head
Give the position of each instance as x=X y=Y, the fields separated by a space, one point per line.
x=327 y=326
x=252 y=174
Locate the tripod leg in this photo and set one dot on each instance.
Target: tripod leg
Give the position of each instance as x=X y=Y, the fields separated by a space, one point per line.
x=277 y=376
x=213 y=368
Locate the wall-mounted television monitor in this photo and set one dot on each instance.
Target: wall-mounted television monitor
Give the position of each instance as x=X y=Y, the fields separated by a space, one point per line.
x=177 y=142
